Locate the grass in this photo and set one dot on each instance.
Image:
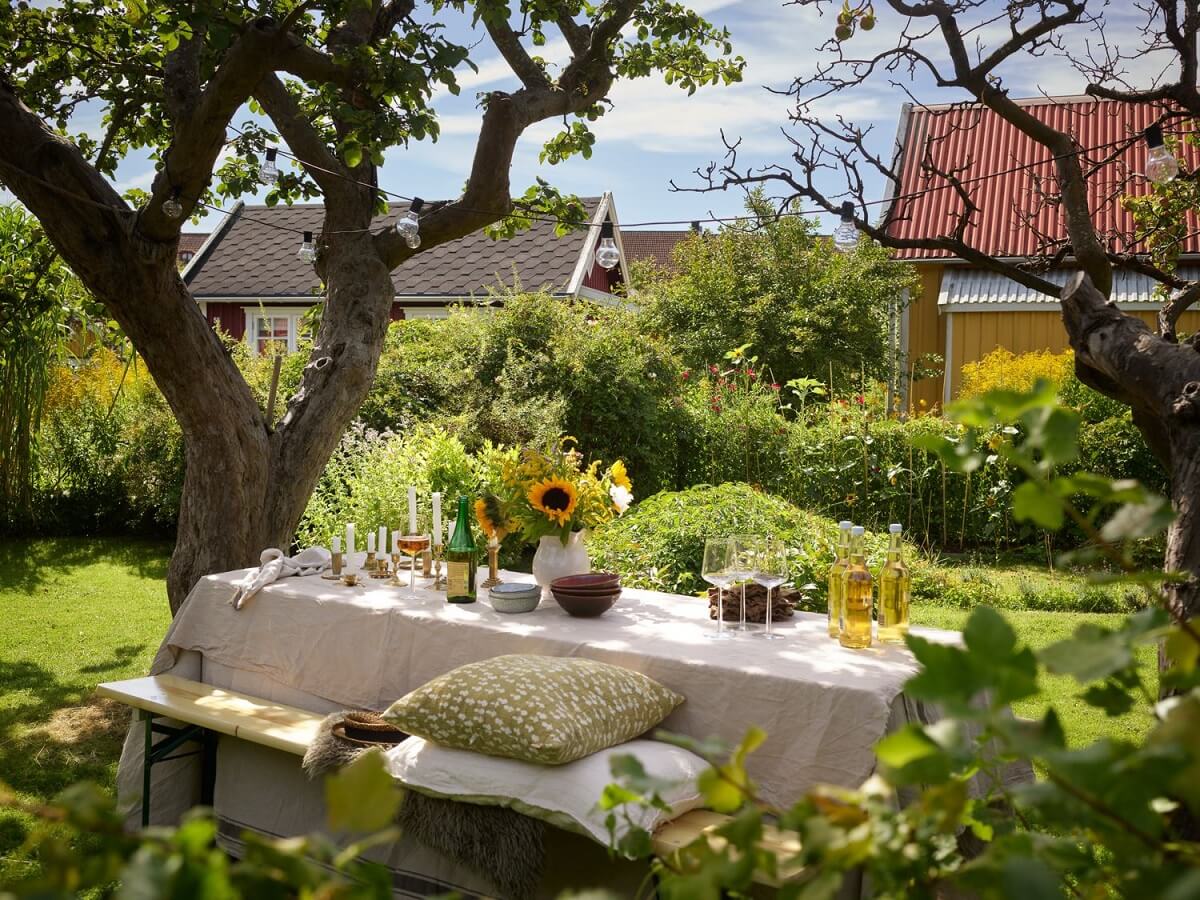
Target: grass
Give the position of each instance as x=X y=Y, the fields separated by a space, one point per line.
x=1081 y=722
x=76 y=612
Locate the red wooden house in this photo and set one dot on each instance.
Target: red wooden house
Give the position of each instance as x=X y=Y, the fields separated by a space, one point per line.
x=250 y=283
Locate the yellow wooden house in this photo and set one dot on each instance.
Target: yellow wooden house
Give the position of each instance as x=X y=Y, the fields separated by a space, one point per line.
x=962 y=312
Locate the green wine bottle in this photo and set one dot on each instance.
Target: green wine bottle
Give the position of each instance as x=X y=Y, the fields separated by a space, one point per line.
x=460 y=559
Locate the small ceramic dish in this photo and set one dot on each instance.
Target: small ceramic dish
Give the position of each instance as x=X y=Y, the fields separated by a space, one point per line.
x=515 y=598
x=588 y=581
x=585 y=606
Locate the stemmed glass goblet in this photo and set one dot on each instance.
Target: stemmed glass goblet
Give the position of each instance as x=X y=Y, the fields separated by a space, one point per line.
x=715 y=571
x=770 y=570
x=741 y=567
x=413 y=545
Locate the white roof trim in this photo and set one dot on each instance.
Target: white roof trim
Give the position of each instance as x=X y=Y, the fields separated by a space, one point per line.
x=604 y=209
x=213 y=237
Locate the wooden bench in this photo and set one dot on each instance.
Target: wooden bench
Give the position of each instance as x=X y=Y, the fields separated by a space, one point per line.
x=208 y=711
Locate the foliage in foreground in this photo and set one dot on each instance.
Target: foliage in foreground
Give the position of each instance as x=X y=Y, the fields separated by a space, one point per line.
x=1111 y=819
x=1108 y=819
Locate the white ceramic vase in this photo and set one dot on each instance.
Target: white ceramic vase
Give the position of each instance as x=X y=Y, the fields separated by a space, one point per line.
x=553 y=560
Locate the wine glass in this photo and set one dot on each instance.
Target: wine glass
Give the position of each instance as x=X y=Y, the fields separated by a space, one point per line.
x=770 y=570
x=741 y=567
x=413 y=545
x=716 y=572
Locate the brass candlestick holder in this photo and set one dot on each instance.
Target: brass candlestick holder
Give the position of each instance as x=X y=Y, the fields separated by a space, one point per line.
x=396 y=570
x=381 y=567
x=369 y=562
x=493 y=551
x=439 y=583
x=335 y=568
x=426 y=563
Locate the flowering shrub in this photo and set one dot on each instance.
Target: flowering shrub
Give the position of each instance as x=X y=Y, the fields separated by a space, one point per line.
x=1004 y=370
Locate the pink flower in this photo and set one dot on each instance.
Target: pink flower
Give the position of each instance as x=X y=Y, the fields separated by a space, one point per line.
x=860 y=400
x=685 y=374
x=713 y=369
x=775 y=385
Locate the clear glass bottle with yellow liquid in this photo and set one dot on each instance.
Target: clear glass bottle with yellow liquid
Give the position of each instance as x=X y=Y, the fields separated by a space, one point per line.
x=857 y=595
x=836 y=571
x=895 y=592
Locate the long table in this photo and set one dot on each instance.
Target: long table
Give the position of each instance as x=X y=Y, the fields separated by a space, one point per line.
x=320 y=645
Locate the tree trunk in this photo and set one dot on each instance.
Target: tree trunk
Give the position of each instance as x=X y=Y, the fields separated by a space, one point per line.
x=248 y=485
x=1120 y=356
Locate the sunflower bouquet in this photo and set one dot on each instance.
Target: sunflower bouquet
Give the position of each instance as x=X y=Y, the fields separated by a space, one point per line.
x=553 y=493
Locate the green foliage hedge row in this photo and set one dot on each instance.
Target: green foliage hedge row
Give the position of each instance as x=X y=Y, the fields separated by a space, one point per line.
x=541 y=367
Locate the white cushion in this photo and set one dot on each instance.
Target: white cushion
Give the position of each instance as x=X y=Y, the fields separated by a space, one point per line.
x=566 y=796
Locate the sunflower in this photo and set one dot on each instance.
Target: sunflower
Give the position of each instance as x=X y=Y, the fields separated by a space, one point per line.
x=555 y=497
x=619 y=476
x=490 y=516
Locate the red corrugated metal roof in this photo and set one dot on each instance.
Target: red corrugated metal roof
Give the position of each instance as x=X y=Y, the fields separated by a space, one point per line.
x=977 y=142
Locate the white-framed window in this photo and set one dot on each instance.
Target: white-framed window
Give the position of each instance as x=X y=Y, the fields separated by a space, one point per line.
x=267 y=326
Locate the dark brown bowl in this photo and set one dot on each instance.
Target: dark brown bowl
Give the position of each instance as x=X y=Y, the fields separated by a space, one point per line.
x=597 y=591
x=590 y=580
x=585 y=606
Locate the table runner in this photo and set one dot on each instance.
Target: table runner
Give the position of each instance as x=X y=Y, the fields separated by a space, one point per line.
x=823 y=706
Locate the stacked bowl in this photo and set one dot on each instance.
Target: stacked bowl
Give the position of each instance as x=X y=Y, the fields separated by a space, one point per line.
x=587 y=595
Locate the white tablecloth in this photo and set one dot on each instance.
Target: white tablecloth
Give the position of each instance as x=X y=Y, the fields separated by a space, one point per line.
x=823 y=706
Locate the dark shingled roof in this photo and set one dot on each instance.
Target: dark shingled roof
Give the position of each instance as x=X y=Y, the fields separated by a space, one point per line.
x=252 y=259
x=653 y=245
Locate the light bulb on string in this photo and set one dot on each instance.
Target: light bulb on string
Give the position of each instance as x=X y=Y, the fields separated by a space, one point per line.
x=269 y=171
x=308 y=250
x=171 y=207
x=1161 y=166
x=845 y=236
x=409 y=226
x=607 y=254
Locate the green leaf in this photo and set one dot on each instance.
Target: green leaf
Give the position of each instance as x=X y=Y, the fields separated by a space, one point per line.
x=1134 y=521
x=363 y=796
x=1183 y=650
x=1029 y=879
x=987 y=633
x=1092 y=654
x=907 y=745
x=1031 y=502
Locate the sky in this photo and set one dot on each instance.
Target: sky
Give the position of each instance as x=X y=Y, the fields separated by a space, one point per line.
x=656 y=133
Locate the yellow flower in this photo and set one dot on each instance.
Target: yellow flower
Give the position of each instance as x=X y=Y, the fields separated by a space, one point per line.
x=620 y=477
x=490 y=516
x=555 y=498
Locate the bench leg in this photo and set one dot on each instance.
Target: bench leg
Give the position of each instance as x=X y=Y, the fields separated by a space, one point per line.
x=147 y=762
x=161 y=752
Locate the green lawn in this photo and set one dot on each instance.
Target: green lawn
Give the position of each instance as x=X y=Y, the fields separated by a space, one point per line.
x=75 y=612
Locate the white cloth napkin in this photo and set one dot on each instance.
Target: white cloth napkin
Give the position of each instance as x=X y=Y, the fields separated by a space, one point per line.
x=310 y=561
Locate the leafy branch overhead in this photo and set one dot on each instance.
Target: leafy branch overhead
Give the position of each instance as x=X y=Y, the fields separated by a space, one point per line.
x=338 y=87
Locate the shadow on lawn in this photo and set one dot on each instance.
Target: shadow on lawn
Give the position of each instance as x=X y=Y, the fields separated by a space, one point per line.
x=57 y=734
x=26 y=563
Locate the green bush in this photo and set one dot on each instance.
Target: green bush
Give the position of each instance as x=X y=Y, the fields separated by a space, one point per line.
x=366 y=481
x=530 y=371
x=111 y=454
x=774 y=284
x=659 y=543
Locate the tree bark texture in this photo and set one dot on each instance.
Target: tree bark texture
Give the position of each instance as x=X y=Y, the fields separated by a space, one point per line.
x=1160 y=380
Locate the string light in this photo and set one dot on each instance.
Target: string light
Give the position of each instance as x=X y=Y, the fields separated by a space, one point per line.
x=171 y=207
x=269 y=172
x=607 y=254
x=409 y=226
x=308 y=250
x=1161 y=166
x=845 y=236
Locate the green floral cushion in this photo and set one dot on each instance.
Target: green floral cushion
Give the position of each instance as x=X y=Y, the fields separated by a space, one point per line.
x=542 y=709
